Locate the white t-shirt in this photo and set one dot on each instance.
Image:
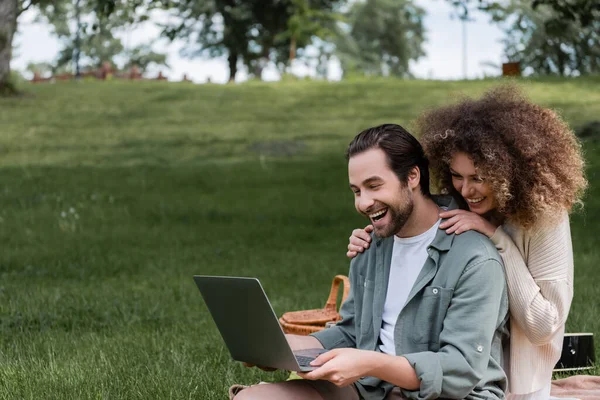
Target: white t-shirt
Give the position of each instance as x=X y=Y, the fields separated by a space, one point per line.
x=408 y=257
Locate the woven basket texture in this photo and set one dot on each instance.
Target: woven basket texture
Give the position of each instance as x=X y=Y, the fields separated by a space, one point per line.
x=305 y=322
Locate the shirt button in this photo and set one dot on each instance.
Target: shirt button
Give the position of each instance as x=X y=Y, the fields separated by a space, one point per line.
x=435 y=291
x=480 y=348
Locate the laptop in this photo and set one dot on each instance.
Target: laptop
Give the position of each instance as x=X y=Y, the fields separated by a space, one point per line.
x=248 y=324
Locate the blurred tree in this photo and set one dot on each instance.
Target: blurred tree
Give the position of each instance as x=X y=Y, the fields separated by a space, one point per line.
x=87 y=33
x=143 y=56
x=10 y=10
x=583 y=12
x=9 y=13
x=87 y=36
x=381 y=37
x=305 y=23
x=547 y=45
x=253 y=31
x=41 y=68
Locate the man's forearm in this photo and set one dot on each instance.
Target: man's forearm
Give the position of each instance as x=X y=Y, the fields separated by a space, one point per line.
x=395 y=370
x=298 y=342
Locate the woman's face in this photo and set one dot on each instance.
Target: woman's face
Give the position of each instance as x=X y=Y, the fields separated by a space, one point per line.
x=477 y=193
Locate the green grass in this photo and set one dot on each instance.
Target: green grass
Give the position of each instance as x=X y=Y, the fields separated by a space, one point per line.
x=114 y=194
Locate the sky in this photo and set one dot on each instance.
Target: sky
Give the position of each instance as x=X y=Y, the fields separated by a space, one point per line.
x=444 y=49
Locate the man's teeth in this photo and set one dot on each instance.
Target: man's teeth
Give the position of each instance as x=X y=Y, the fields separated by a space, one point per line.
x=377 y=214
x=474 y=200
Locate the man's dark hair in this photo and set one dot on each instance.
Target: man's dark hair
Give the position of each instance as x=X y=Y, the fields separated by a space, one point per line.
x=403 y=151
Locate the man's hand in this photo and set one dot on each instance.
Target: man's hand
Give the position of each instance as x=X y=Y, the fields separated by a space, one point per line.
x=342 y=367
x=296 y=342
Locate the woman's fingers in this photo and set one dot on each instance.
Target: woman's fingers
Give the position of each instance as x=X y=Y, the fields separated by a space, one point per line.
x=357 y=248
x=450 y=213
x=359 y=241
x=361 y=235
x=450 y=222
x=461 y=228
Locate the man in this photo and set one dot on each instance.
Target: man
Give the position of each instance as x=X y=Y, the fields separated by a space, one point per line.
x=426 y=313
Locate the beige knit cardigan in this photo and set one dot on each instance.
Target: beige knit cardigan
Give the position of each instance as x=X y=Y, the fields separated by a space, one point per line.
x=539 y=274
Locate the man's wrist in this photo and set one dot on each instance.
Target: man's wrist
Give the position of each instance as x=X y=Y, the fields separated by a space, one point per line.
x=394 y=369
x=373 y=361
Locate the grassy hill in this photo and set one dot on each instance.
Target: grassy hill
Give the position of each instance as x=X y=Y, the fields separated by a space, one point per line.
x=114 y=194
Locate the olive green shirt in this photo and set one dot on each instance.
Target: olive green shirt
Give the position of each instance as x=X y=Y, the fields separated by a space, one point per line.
x=452 y=327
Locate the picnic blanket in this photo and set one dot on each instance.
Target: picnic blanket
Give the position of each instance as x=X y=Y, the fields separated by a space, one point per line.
x=583 y=387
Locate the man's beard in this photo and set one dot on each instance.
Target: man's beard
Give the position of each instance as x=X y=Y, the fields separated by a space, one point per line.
x=399 y=214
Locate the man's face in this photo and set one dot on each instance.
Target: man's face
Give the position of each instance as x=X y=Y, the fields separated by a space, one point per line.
x=378 y=193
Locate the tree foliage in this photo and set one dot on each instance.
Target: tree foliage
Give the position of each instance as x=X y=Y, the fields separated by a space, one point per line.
x=381 y=38
x=563 y=12
x=252 y=32
x=10 y=10
x=87 y=30
x=143 y=57
x=545 y=44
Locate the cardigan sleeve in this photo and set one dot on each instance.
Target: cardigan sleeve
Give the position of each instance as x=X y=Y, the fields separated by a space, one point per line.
x=540 y=292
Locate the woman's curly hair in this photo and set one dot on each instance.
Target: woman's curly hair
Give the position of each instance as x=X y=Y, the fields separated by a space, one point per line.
x=527 y=153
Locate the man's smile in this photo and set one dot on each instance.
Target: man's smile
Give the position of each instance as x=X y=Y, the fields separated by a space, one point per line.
x=376 y=216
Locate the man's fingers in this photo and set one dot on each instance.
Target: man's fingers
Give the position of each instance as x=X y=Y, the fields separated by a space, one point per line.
x=351 y=254
x=369 y=229
x=323 y=358
x=312 y=375
x=317 y=374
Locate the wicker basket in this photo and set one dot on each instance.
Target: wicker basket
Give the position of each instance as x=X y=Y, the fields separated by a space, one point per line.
x=309 y=321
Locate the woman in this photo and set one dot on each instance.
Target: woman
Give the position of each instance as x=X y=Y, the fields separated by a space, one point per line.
x=518 y=170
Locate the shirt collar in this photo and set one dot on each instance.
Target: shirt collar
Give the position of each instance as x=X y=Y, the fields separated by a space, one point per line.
x=442 y=240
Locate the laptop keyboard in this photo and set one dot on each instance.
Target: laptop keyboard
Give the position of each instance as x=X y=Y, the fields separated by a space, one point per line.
x=304 y=361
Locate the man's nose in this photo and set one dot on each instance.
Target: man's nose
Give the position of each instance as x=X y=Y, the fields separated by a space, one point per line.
x=365 y=203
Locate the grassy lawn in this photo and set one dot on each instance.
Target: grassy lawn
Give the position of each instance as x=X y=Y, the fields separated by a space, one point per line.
x=114 y=194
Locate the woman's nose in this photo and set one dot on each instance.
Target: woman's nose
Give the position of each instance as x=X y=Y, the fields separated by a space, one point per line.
x=466 y=190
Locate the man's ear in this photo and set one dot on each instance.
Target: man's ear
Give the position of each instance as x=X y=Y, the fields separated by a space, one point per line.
x=414 y=178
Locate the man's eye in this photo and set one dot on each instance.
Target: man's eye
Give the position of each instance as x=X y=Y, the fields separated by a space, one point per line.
x=456 y=176
x=478 y=179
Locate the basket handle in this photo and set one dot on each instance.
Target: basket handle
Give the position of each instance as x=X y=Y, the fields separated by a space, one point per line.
x=333 y=294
